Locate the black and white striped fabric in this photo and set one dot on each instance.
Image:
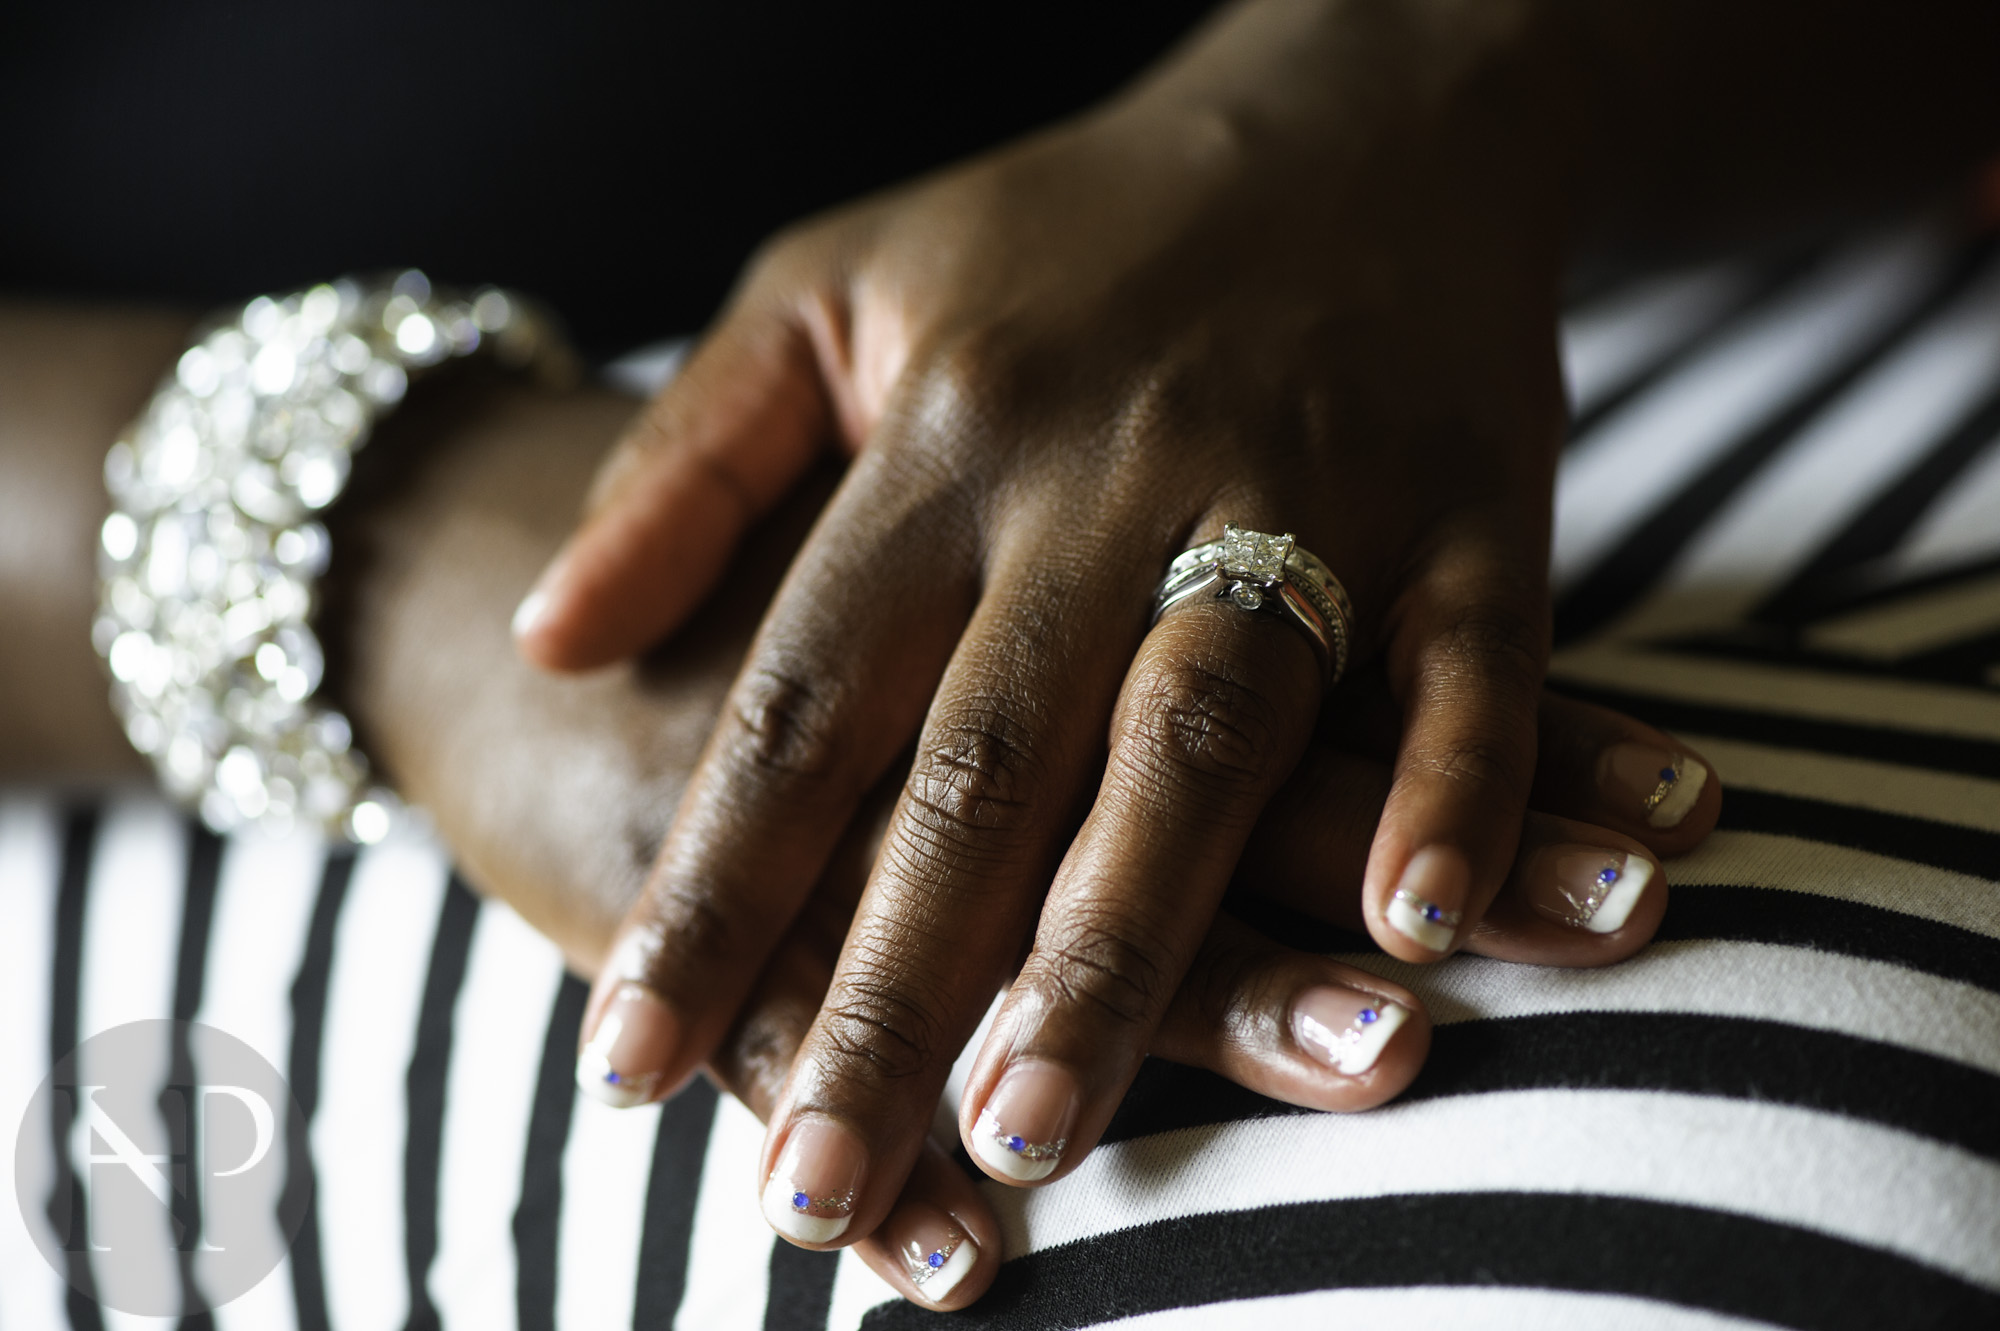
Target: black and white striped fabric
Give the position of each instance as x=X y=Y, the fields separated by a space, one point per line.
x=1779 y=535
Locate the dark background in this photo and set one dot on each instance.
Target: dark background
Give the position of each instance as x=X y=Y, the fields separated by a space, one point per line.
x=618 y=160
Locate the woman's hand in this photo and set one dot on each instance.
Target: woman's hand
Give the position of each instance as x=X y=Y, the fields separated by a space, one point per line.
x=1259 y=289
x=553 y=793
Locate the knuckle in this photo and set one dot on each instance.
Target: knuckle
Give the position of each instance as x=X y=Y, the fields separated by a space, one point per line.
x=974 y=780
x=1482 y=761
x=1488 y=646
x=1108 y=965
x=881 y=1031
x=1227 y=987
x=783 y=725
x=694 y=930
x=1200 y=720
x=977 y=382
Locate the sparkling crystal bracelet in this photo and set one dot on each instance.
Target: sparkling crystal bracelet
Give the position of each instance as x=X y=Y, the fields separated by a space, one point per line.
x=209 y=561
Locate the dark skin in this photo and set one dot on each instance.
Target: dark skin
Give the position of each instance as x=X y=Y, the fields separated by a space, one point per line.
x=552 y=792
x=1302 y=277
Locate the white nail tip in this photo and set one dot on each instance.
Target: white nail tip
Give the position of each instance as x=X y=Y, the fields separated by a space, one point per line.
x=1406 y=917
x=1360 y=1055
x=1616 y=908
x=988 y=1143
x=938 y=1287
x=795 y=1224
x=534 y=606
x=1680 y=800
x=595 y=1079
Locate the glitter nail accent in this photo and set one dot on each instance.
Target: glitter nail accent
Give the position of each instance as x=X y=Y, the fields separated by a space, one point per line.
x=1431 y=912
x=840 y=1204
x=1038 y=1152
x=924 y=1266
x=1669 y=778
x=1586 y=904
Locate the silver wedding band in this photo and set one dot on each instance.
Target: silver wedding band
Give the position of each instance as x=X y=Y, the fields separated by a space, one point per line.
x=1263 y=574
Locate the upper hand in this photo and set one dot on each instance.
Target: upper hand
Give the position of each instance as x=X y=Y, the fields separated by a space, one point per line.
x=1056 y=368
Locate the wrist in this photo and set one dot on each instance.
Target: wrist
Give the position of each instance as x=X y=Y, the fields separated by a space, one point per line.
x=70 y=379
x=1380 y=123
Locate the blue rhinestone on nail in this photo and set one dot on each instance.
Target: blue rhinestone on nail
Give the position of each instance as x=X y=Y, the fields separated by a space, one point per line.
x=1607 y=877
x=800 y=1201
x=1368 y=1016
x=1433 y=913
x=611 y=1077
x=1016 y=1144
x=935 y=1260
x=1668 y=774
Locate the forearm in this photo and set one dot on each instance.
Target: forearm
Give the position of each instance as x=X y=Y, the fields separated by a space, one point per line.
x=70 y=379
x=1651 y=125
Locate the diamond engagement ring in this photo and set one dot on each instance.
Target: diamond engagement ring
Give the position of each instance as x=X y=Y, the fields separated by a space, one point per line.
x=1264 y=574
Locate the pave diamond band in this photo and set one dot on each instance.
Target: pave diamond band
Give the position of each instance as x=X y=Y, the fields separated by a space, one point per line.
x=209 y=560
x=1265 y=574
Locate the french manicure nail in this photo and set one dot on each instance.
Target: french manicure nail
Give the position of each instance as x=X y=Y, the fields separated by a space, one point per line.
x=533 y=609
x=810 y=1194
x=1343 y=1028
x=620 y=1065
x=935 y=1251
x=1665 y=785
x=1588 y=887
x=1424 y=908
x=1025 y=1125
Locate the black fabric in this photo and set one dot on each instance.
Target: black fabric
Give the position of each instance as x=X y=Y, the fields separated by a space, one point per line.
x=1962 y=754
x=1966 y=850
x=538 y=1215
x=1827 y=924
x=801 y=1288
x=618 y=159
x=67 y=1209
x=1635 y=565
x=1731 y=1264
x=303 y=1072
x=1675 y=1052
x=680 y=1149
x=1773 y=279
x=1831 y=574
x=203 y=868
x=430 y=1064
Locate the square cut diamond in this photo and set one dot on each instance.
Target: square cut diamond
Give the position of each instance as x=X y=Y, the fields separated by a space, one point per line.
x=1254 y=555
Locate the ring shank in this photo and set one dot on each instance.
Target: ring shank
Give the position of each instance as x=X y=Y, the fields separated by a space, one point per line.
x=1306 y=592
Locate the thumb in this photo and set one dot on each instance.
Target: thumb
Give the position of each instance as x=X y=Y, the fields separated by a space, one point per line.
x=708 y=457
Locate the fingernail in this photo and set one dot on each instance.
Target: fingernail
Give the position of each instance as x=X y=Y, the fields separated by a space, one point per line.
x=533 y=609
x=1025 y=1125
x=810 y=1195
x=1343 y=1028
x=1425 y=908
x=1666 y=785
x=620 y=1065
x=935 y=1251
x=1588 y=887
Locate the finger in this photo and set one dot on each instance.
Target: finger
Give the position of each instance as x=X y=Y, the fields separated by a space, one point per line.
x=1578 y=896
x=1603 y=767
x=1310 y=851
x=1467 y=661
x=830 y=692
x=999 y=771
x=1293 y=1026
x=940 y=1245
x=1214 y=712
x=706 y=458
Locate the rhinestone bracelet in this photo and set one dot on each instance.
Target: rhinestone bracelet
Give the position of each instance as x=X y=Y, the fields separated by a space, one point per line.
x=209 y=560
